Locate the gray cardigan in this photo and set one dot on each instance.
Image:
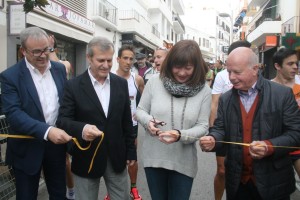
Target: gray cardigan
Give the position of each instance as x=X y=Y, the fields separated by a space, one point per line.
x=180 y=156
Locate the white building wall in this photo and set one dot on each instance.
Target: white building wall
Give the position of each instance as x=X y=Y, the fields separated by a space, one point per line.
x=207 y=48
x=3 y=41
x=287 y=10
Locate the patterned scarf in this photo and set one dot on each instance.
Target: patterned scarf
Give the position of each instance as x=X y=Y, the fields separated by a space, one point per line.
x=180 y=89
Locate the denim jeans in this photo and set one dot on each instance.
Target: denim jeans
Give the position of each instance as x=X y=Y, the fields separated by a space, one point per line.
x=167 y=184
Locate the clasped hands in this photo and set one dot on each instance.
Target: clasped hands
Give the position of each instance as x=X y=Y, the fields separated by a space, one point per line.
x=167 y=137
x=257 y=149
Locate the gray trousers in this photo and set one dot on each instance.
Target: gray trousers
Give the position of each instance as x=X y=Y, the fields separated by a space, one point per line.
x=116 y=184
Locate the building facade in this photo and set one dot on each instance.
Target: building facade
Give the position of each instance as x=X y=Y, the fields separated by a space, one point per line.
x=271 y=24
x=146 y=24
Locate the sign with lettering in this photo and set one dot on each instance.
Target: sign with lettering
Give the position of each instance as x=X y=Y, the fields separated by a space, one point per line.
x=225 y=49
x=68 y=16
x=17 y=19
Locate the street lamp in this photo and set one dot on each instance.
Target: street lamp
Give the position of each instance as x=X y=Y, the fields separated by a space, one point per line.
x=231 y=25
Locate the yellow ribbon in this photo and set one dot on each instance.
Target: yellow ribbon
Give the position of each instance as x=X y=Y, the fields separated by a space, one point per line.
x=243 y=144
x=74 y=140
x=247 y=144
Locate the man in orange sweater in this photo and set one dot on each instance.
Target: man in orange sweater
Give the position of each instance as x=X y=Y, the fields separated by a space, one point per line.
x=286 y=63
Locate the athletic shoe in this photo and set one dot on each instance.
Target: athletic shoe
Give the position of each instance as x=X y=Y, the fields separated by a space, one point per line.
x=134 y=193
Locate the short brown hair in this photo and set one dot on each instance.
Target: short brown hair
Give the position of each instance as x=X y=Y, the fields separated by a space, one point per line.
x=181 y=54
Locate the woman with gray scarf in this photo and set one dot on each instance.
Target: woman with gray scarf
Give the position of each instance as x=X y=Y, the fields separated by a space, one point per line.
x=174 y=110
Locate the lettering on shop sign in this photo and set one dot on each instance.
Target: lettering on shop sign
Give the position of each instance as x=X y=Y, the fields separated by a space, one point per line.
x=69 y=16
x=16 y=19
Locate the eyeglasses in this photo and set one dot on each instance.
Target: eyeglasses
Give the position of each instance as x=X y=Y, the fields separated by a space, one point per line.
x=38 y=52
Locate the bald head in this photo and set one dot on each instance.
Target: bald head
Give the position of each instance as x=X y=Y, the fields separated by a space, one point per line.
x=243 y=55
x=242 y=65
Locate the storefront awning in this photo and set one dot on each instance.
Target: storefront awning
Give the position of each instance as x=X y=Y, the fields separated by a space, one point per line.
x=240 y=17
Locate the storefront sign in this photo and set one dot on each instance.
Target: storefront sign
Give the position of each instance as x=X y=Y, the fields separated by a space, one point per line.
x=271 y=41
x=68 y=16
x=291 y=40
x=17 y=20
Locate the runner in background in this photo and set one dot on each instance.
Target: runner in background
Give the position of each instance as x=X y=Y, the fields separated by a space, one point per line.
x=70 y=195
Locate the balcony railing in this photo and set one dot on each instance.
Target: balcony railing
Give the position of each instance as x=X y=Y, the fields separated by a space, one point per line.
x=129 y=14
x=177 y=18
x=263 y=18
x=291 y=26
x=134 y=15
x=106 y=10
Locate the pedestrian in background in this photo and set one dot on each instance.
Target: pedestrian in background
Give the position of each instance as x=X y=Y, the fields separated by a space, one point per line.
x=263 y=115
x=142 y=67
x=135 y=87
x=286 y=64
x=31 y=94
x=174 y=110
x=96 y=103
x=159 y=57
x=209 y=75
x=70 y=195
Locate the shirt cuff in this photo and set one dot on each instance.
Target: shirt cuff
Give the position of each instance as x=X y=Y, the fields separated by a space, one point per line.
x=82 y=131
x=46 y=133
x=270 y=148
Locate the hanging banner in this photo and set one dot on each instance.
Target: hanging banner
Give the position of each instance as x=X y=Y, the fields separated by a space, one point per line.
x=66 y=15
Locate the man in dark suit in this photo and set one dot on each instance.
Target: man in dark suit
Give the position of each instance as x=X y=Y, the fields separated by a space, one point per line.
x=94 y=103
x=31 y=95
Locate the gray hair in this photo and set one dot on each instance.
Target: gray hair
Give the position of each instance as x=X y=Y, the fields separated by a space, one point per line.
x=100 y=42
x=33 y=32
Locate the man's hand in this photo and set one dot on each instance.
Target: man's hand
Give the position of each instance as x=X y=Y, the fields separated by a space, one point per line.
x=207 y=143
x=58 y=136
x=258 y=149
x=91 y=132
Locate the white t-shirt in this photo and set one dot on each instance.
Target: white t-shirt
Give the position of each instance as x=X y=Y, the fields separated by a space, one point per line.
x=222 y=83
x=297 y=79
x=132 y=89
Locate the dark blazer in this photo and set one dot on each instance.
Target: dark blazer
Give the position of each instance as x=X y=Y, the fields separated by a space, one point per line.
x=24 y=113
x=277 y=119
x=81 y=106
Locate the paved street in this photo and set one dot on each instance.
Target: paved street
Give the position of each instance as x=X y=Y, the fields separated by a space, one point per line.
x=203 y=183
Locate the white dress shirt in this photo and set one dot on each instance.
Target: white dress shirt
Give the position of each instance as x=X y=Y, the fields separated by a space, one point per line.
x=47 y=92
x=102 y=91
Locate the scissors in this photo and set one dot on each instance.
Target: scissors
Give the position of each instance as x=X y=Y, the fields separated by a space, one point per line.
x=156 y=123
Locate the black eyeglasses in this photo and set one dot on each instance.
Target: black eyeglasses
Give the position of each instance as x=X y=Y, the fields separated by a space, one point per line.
x=38 y=52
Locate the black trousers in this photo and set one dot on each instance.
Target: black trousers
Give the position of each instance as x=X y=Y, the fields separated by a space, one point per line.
x=249 y=191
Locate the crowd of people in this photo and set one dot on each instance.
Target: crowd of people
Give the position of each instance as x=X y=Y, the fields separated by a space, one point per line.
x=86 y=128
